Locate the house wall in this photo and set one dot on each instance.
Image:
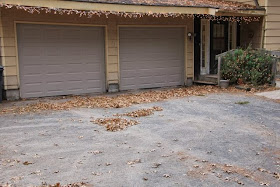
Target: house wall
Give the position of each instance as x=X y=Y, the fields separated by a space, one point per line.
x=272 y=25
x=9 y=46
x=251 y=2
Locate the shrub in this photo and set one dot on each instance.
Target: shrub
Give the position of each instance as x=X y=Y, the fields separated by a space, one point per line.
x=248 y=65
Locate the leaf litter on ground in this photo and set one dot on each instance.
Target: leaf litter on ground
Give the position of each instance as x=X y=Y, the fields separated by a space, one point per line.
x=114 y=124
x=141 y=112
x=119 y=101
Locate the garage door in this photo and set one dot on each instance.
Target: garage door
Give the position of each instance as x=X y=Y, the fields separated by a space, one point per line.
x=151 y=57
x=60 y=60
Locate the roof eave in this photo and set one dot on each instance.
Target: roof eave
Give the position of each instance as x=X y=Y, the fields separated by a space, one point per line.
x=62 y=4
x=110 y=7
x=256 y=12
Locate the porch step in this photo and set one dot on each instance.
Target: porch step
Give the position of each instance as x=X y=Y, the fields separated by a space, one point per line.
x=212 y=76
x=205 y=82
x=208 y=78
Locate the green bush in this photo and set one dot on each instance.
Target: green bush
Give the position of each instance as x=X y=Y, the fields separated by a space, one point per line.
x=250 y=66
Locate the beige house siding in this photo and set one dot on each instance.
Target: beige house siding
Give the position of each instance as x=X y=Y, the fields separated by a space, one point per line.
x=8 y=53
x=251 y=2
x=9 y=49
x=272 y=25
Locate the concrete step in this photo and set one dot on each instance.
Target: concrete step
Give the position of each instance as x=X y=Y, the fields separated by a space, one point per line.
x=205 y=82
x=208 y=78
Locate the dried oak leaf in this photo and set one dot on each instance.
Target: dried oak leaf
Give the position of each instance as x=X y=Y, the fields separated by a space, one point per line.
x=134 y=162
x=27 y=163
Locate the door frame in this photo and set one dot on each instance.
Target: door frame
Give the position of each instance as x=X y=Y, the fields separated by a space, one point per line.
x=197 y=43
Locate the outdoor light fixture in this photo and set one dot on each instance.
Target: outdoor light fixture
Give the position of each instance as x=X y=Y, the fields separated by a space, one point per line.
x=190 y=35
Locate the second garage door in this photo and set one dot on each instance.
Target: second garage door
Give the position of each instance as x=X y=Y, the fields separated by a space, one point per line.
x=60 y=60
x=151 y=57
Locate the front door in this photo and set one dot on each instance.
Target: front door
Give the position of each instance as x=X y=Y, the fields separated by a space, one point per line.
x=219 y=43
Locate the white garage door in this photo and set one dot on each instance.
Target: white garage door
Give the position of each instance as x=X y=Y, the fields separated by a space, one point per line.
x=60 y=60
x=151 y=57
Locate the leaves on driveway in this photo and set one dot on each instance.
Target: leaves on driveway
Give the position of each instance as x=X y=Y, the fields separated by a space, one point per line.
x=79 y=184
x=27 y=163
x=134 y=162
x=141 y=112
x=115 y=124
x=119 y=101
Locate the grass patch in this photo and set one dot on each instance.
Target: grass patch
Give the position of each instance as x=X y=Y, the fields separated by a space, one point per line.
x=242 y=102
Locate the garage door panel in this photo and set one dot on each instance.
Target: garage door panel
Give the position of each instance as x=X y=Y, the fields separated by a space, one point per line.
x=51 y=34
x=53 y=69
x=53 y=51
x=94 y=84
x=92 y=66
x=31 y=34
x=149 y=57
x=33 y=89
x=55 y=78
x=54 y=87
x=60 y=60
x=32 y=51
x=33 y=79
x=129 y=73
x=70 y=50
x=33 y=69
x=142 y=32
x=156 y=53
x=91 y=76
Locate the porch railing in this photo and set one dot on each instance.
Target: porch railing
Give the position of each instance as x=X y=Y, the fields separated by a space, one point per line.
x=276 y=63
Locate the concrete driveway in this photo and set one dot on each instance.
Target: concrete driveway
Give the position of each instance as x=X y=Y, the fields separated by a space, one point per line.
x=214 y=140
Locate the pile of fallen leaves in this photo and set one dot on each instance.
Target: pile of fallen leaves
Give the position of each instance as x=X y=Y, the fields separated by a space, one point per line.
x=119 y=101
x=80 y=184
x=115 y=124
x=141 y=112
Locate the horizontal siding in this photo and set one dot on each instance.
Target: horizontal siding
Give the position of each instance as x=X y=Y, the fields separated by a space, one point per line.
x=250 y=2
x=272 y=25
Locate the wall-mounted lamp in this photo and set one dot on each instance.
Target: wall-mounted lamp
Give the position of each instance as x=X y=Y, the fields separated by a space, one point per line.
x=190 y=35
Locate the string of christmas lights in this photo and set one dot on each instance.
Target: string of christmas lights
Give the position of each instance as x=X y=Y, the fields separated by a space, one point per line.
x=91 y=13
